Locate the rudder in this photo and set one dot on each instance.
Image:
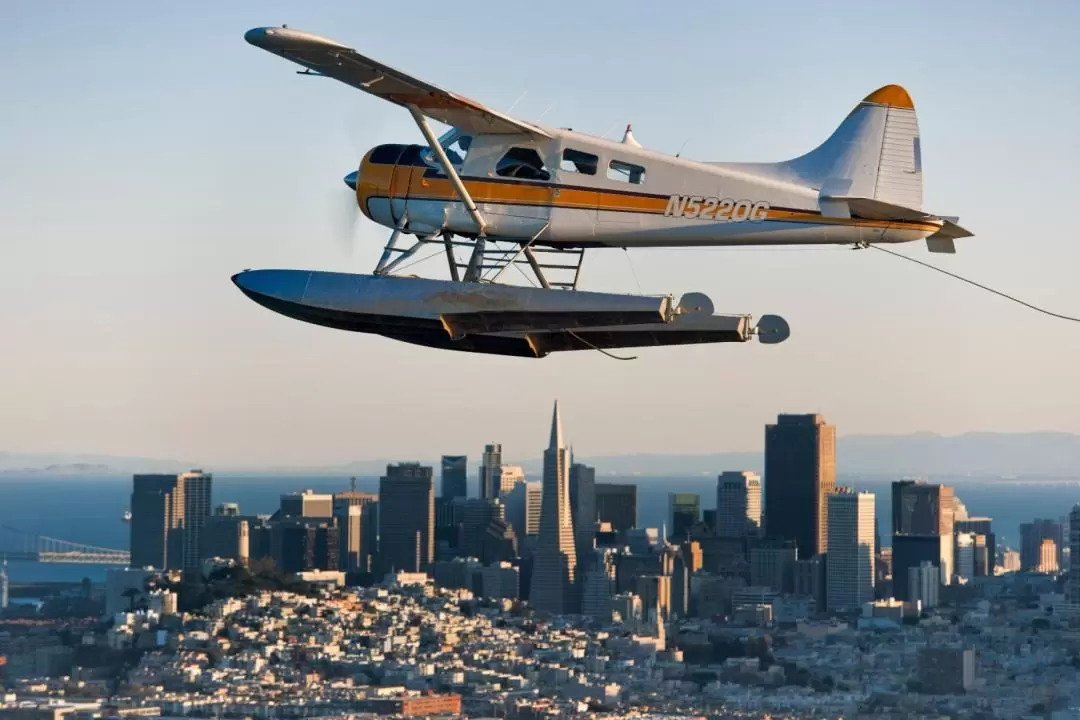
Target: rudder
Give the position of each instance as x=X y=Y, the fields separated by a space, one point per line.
x=874 y=153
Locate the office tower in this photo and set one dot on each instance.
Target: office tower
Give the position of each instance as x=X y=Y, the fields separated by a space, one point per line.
x=1073 y=595
x=738 y=504
x=198 y=491
x=226 y=534
x=308 y=504
x=772 y=564
x=501 y=581
x=157 y=518
x=655 y=594
x=598 y=583
x=357 y=519
x=680 y=584
x=982 y=563
x=5 y=586
x=1010 y=561
x=921 y=508
x=455 y=477
x=523 y=509
x=486 y=534
x=406 y=518
x=910 y=551
x=554 y=563
x=490 y=471
x=924 y=584
x=850 y=571
x=510 y=476
x=965 y=555
x=800 y=473
x=980 y=526
x=616 y=504
x=300 y=544
x=684 y=512
x=1031 y=536
x=583 y=507
x=1048 y=556
x=810 y=579
x=946 y=670
x=923 y=530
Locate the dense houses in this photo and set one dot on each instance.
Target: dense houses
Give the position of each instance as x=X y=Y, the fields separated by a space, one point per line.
x=407 y=648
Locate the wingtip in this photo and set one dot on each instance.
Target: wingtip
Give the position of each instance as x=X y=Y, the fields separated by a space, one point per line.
x=892 y=96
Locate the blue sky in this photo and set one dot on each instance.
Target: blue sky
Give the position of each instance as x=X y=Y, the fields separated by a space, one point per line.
x=149 y=153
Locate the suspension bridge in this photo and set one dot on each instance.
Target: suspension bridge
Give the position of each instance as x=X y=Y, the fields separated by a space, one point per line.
x=16 y=544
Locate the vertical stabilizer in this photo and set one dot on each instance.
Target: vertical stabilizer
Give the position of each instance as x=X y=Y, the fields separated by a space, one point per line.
x=874 y=153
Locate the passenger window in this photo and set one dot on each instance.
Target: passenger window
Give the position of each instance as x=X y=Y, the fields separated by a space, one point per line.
x=579 y=162
x=524 y=163
x=626 y=172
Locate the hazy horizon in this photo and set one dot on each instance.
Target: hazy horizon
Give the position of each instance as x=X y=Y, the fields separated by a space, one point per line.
x=143 y=167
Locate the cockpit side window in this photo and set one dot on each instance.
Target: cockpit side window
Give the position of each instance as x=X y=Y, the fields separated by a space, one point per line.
x=625 y=172
x=523 y=163
x=578 y=162
x=456 y=146
x=458 y=150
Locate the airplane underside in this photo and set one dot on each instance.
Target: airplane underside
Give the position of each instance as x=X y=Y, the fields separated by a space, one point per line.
x=497 y=319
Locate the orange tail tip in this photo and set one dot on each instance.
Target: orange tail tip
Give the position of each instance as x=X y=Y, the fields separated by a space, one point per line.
x=891 y=95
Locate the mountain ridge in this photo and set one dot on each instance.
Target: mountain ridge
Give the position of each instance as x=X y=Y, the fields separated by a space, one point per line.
x=1049 y=453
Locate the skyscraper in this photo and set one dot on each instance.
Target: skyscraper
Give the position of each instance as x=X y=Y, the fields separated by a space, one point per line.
x=583 y=508
x=616 y=503
x=510 y=476
x=923 y=531
x=307 y=503
x=523 y=509
x=357 y=519
x=980 y=526
x=1031 y=536
x=1048 y=557
x=4 y=586
x=157 y=517
x=454 y=477
x=491 y=471
x=738 y=504
x=800 y=473
x=198 y=492
x=1074 y=556
x=849 y=572
x=554 y=564
x=684 y=511
x=406 y=518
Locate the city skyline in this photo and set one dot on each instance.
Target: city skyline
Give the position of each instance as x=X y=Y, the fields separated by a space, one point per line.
x=91 y=370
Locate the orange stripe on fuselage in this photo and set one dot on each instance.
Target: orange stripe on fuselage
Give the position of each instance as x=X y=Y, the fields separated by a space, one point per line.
x=377 y=180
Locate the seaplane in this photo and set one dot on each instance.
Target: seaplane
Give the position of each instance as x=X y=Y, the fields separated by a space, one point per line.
x=497 y=193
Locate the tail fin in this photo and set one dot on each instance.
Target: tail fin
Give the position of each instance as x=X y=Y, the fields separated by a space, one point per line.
x=874 y=153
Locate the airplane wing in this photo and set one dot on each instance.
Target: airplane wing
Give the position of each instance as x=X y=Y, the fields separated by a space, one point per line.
x=331 y=59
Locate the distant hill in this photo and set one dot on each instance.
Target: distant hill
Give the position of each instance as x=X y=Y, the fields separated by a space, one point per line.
x=977 y=453
x=1043 y=454
x=62 y=464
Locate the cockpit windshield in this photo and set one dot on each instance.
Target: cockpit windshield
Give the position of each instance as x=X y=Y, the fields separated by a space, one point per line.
x=455 y=144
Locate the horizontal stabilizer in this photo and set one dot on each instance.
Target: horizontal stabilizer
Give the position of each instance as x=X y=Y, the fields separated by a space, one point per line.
x=937 y=244
x=872 y=209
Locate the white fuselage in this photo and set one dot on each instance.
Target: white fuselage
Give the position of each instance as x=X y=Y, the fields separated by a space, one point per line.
x=578 y=190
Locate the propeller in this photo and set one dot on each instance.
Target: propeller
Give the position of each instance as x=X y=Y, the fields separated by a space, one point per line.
x=344 y=212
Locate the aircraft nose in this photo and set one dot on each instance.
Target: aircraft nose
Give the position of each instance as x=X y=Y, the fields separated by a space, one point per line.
x=352 y=178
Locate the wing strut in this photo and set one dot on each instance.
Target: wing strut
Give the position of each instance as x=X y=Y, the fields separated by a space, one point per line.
x=459 y=186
